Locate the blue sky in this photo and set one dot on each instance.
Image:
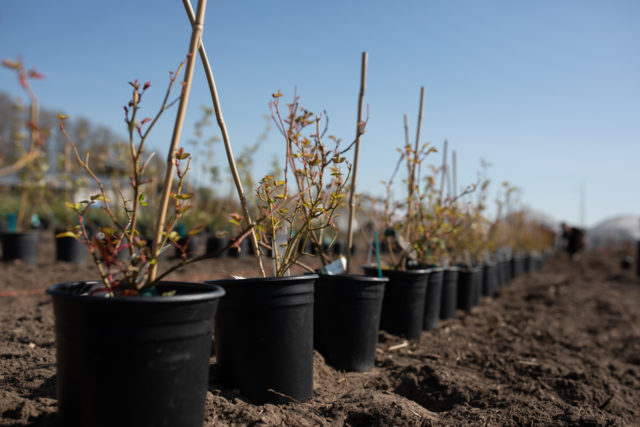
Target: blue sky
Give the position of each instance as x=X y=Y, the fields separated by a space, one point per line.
x=546 y=91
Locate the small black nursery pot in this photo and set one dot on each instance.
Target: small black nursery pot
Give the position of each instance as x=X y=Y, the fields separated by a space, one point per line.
x=136 y=360
x=216 y=245
x=489 y=279
x=433 y=299
x=347 y=319
x=403 y=303
x=22 y=246
x=70 y=249
x=449 y=298
x=468 y=283
x=264 y=337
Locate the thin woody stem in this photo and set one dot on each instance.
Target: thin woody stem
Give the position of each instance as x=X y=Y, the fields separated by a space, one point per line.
x=85 y=165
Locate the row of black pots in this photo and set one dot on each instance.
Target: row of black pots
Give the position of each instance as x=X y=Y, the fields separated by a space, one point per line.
x=139 y=354
x=415 y=300
x=266 y=330
x=24 y=246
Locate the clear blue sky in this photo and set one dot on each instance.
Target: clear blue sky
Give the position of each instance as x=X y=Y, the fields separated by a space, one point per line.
x=546 y=91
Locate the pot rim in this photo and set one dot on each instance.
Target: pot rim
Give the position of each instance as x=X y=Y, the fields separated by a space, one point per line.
x=412 y=271
x=17 y=233
x=270 y=279
x=356 y=277
x=207 y=291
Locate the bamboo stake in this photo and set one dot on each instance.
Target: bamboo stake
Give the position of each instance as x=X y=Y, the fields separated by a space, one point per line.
x=225 y=138
x=352 y=203
x=444 y=170
x=21 y=163
x=407 y=144
x=448 y=183
x=196 y=32
x=454 y=165
x=412 y=175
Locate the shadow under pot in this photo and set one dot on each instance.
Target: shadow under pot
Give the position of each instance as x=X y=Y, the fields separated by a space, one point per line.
x=70 y=249
x=264 y=337
x=347 y=319
x=135 y=360
x=20 y=245
x=433 y=299
x=403 y=302
x=449 y=300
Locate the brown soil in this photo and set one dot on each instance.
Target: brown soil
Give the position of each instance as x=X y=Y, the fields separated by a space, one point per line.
x=556 y=347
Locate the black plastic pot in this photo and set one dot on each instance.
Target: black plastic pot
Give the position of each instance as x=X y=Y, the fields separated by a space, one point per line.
x=69 y=249
x=499 y=274
x=193 y=249
x=403 y=303
x=22 y=246
x=449 y=299
x=533 y=262
x=133 y=361
x=264 y=337
x=433 y=299
x=517 y=266
x=347 y=318
x=242 y=250
x=479 y=278
x=468 y=288
x=216 y=244
x=507 y=271
x=489 y=279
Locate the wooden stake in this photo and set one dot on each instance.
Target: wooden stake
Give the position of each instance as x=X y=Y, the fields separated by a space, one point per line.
x=454 y=164
x=225 y=137
x=444 y=170
x=407 y=144
x=414 y=165
x=352 y=205
x=196 y=32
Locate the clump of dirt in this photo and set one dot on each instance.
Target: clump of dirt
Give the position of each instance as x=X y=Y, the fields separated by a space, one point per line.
x=559 y=346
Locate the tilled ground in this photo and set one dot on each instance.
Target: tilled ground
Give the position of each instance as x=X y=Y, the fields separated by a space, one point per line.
x=560 y=346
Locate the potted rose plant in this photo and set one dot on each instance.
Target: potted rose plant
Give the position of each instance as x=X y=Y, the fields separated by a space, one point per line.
x=466 y=249
x=133 y=349
x=22 y=242
x=264 y=326
x=404 y=295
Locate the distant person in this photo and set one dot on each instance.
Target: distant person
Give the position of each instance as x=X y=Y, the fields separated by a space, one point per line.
x=574 y=238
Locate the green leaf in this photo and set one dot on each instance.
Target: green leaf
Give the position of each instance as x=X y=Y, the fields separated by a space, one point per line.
x=67 y=234
x=100 y=197
x=185 y=196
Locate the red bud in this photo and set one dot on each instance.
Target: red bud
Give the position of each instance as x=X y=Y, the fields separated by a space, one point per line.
x=35 y=75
